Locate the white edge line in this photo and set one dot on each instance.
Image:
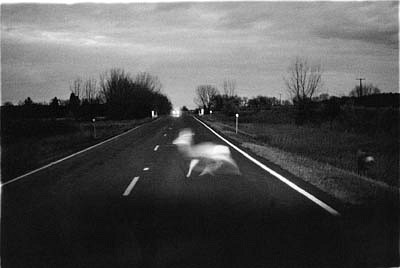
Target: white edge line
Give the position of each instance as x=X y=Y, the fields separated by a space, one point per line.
x=156 y=148
x=277 y=175
x=70 y=156
x=130 y=186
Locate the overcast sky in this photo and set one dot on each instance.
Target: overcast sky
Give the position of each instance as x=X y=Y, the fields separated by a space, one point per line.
x=45 y=47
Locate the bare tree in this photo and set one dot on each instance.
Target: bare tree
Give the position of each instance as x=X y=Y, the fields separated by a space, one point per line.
x=148 y=81
x=77 y=87
x=90 y=90
x=229 y=87
x=365 y=90
x=303 y=80
x=204 y=95
x=128 y=98
x=115 y=86
x=103 y=87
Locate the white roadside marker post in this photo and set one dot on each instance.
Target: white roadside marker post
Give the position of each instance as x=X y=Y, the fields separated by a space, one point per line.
x=237 y=122
x=94 y=127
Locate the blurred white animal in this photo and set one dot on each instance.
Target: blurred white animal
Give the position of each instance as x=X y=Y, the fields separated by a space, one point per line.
x=210 y=155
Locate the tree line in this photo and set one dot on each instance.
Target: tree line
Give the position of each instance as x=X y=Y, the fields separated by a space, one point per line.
x=116 y=95
x=302 y=83
x=208 y=97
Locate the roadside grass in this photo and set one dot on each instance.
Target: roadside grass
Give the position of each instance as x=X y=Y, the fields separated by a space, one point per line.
x=337 y=148
x=322 y=157
x=33 y=143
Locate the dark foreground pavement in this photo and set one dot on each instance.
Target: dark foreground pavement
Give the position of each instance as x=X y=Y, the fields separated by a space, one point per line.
x=74 y=214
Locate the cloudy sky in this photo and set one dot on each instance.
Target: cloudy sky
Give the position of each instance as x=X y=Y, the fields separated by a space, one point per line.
x=45 y=47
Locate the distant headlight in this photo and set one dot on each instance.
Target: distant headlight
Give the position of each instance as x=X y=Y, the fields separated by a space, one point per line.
x=176 y=113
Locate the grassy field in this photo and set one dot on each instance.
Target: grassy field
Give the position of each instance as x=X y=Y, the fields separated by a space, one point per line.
x=327 y=163
x=29 y=144
x=337 y=148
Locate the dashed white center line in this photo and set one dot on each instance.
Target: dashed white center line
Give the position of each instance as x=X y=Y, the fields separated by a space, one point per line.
x=156 y=148
x=145 y=169
x=130 y=187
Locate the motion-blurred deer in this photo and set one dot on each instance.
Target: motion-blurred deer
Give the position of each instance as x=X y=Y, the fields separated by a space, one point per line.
x=207 y=155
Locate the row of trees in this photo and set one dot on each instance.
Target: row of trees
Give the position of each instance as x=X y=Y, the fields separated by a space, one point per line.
x=128 y=97
x=209 y=98
x=116 y=95
x=303 y=82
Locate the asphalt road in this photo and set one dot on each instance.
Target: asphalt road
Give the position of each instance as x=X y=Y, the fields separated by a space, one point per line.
x=127 y=203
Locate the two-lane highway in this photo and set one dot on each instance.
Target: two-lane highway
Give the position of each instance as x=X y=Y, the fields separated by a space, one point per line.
x=127 y=203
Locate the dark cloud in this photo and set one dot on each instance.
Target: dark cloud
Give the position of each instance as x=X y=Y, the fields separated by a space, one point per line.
x=378 y=36
x=374 y=22
x=248 y=15
x=174 y=7
x=242 y=21
x=371 y=22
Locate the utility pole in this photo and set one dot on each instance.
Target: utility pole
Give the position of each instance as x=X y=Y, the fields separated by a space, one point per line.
x=361 y=92
x=280 y=98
